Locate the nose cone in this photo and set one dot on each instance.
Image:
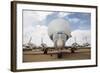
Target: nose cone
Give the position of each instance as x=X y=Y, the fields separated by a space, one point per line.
x=59 y=43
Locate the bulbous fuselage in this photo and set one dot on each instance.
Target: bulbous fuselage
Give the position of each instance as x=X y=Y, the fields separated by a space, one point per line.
x=59 y=32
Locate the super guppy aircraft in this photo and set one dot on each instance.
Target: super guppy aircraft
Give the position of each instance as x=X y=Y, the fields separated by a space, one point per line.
x=59 y=32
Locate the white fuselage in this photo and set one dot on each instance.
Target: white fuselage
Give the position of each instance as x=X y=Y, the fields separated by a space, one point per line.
x=59 y=40
x=59 y=32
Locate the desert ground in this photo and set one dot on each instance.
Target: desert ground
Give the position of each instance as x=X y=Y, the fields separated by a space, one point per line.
x=38 y=56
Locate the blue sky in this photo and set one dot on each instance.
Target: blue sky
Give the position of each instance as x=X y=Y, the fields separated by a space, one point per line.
x=35 y=25
x=77 y=20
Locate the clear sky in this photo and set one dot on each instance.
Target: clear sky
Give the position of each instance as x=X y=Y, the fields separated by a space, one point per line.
x=35 y=25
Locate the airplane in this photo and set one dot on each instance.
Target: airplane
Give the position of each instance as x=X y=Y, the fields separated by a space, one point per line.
x=29 y=45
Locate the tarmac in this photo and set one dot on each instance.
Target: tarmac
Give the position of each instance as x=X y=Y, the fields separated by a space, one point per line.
x=38 y=56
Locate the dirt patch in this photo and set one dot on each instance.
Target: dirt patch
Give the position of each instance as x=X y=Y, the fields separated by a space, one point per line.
x=31 y=56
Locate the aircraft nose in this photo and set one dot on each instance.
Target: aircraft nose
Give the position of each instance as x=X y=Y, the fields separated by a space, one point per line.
x=59 y=43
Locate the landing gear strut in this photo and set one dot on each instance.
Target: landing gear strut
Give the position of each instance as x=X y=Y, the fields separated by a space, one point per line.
x=73 y=50
x=59 y=55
